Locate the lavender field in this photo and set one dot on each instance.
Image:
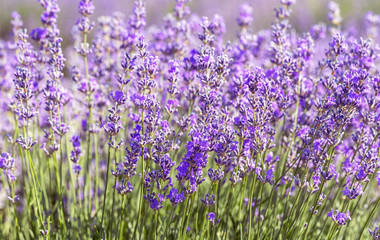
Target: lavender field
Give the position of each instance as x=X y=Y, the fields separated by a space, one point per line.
x=161 y=123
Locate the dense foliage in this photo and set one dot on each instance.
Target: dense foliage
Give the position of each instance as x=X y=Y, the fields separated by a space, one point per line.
x=170 y=132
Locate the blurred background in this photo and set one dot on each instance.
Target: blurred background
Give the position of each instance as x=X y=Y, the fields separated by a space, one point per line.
x=305 y=12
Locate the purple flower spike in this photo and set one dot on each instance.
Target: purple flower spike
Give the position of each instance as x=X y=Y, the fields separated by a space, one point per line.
x=353 y=192
x=175 y=197
x=123 y=188
x=211 y=218
x=208 y=200
x=6 y=161
x=340 y=217
x=118 y=97
x=77 y=168
x=375 y=234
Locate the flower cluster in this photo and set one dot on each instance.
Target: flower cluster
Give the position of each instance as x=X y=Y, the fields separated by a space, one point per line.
x=130 y=131
x=7 y=163
x=340 y=218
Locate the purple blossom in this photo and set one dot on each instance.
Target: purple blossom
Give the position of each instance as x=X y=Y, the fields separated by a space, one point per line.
x=154 y=200
x=245 y=18
x=123 y=188
x=77 y=168
x=353 y=192
x=375 y=234
x=175 y=197
x=340 y=217
x=212 y=219
x=6 y=161
x=208 y=200
x=118 y=97
x=286 y=108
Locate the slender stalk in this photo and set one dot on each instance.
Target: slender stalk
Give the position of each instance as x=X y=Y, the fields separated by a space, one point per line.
x=141 y=195
x=188 y=215
x=169 y=220
x=242 y=195
x=121 y=237
x=259 y=216
x=333 y=231
x=60 y=186
x=15 y=211
x=369 y=218
x=88 y=176
x=228 y=211
x=314 y=205
x=106 y=185
x=96 y=172
x=183 y=218
x=250 y=208
x=203 y=225
x=72 y=174
x=33 y=174
x=89 y=123
x=141 y=208
x=155 y=225
x=113 y=204
x=251 y=196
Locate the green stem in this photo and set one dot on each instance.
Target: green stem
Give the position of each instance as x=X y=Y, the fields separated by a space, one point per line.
x=113 y=204
x=258 y=222
x=168 y=221
x=15 y=211
x=141 y=208
x=203 y=225
x=228 y=210
x=155 y=225
x=333 y=231
x=141 y=194
x=369 y=218
x=242 y=195
x=216 y=198
x=188 y=215
x=251 y=196
x=33 y=174
x=313 y=209
x=72 y=174
x=106 y=185
x=121 y=237
x=183 y=219
x=96 y=171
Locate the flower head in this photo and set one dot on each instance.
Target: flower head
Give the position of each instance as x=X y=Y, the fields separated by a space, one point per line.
x=340 y=217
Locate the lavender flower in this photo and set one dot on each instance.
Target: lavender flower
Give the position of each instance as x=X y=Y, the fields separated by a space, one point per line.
x=208 y=200
x=174 y=197
x=285 y=118
x=375 y=234
x=340 y=217
x=123 y=188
